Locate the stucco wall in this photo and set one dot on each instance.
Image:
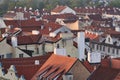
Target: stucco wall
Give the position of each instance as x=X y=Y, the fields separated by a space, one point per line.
x=79 y=71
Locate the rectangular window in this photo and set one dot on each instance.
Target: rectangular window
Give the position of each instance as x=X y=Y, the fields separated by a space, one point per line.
x=97 y=47
x=93 y=46
x=1 y=56
x=9 y=55
x=108 y=50
x=103 y=48
x=20 y=55
x=100 y=47
x=117 y=51
x=113 y=51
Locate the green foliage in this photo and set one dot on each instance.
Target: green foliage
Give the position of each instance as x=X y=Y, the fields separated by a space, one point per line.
x=115 y=3
x=50 y=4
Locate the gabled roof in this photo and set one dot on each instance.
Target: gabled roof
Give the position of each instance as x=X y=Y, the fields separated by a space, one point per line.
x=23 y=23
x=59 y=9
x=108 y=70
x=25 y=66
x=66 y=16
x=28 y=26
x=31 y=39
x=56 y=65
x=91 y=36
x=9 y=15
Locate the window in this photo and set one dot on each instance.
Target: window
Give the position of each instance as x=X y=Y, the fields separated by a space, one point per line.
x=103 y=48
x=20 y=55
x=108 y=39
x=108 y=50
x=1 y=56
x=117 y=51
x=97 y=47
x=100 y=47
x=93 y=46
x=113 y=51
x=9 y=55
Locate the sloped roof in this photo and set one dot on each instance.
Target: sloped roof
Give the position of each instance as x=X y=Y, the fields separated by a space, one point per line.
x=23 y=23
x=89 y=67
x=9 y=15
x=28 y=25
x=59 y=9
x=25 y=66
x=91 y=36
x=66 y=16
x=108 y=70
x=55 y=65
x=105 y=73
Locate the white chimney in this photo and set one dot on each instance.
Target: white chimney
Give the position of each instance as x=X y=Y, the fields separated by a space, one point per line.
x=94 y=57
x=81 y=44
x=14 y=41
x=60 y=51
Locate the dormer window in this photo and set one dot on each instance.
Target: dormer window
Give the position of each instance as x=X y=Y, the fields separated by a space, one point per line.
x=108 y=39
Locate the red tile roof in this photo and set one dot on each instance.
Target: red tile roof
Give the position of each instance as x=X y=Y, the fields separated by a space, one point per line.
x=89 y=67
x=58 y=9
x=28 y=25
x=31 y=39
x=66 y=16
x=9 y=15
x=25 y=66
x=104 y=73
x=98 y=10
x=55 y=65
x=108 y=70
x=91 y=36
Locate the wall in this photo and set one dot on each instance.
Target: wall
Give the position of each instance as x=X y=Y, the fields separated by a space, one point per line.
x=5 y=48
x=73 y=26
x=79 y=71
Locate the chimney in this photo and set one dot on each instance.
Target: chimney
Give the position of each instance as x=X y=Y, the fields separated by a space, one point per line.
x=94 y=57
x=14 y=41
x=60 y=51
x=81 y=44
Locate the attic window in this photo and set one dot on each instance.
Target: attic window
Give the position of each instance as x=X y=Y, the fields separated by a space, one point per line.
x=108 y=39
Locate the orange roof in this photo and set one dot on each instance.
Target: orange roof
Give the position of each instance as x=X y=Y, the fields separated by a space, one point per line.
x=25 y=66
x=55 y=66
x=91 y=36
x=59 y=8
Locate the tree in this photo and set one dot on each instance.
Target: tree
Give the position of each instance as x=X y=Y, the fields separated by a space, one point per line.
x=115 y=3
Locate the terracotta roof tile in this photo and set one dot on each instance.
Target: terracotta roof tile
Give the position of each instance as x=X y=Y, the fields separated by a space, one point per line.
x=31 y=39
x=104 y=73
x=9 y=15
x=58 y=9
x=59 y=62
x=108 y=70
x=25 y=66
x=66 y=16
x=88 y=66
